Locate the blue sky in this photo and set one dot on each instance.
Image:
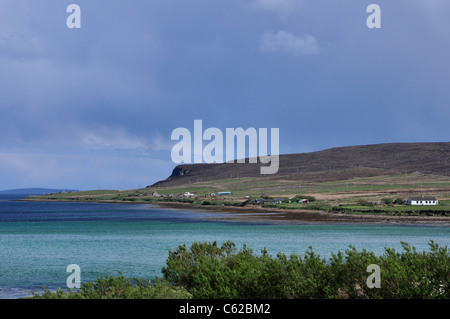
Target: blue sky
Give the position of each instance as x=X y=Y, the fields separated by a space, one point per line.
x=95 y=107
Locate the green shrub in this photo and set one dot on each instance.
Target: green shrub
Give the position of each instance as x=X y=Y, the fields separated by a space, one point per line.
x=364 y=202
x=209 y=271
x=109 y=287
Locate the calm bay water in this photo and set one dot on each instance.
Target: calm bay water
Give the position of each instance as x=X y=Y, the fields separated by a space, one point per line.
x=39 y=240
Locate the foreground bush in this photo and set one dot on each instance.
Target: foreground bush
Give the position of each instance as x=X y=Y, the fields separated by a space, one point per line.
x=109 y=287
x=209 y=271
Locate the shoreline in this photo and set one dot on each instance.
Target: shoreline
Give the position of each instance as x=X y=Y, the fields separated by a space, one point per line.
x=294 y=216
x=258 y=214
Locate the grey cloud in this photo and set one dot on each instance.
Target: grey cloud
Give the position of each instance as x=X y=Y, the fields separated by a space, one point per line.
x=287 y=42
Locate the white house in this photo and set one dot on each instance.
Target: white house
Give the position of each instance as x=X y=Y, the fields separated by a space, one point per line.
x=422 y=201
x=188 y=194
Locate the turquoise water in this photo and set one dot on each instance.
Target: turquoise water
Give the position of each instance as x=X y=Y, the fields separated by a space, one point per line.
x=39 y=240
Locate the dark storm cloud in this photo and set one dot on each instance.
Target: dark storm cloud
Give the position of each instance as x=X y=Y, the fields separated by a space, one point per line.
x=112 y=91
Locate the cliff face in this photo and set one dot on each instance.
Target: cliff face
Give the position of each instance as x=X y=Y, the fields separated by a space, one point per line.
x=331 y=164
x=179 y=171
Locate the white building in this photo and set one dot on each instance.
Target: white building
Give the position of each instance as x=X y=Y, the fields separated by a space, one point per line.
x=422 y=201
x=188 y=194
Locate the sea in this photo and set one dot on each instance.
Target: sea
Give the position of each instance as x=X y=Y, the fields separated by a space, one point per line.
x=39 y=240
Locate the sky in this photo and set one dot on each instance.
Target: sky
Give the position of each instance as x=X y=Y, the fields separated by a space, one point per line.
x=94 y=107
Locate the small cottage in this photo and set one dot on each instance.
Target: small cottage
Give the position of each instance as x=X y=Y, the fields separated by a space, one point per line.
x=422 y=200
x=188 y=194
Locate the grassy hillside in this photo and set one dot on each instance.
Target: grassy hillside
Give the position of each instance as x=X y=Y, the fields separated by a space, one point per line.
x=329 y=165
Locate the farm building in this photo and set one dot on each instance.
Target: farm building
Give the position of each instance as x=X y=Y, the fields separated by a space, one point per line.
x=422 y=201
x=188 y=194
x=224 y=193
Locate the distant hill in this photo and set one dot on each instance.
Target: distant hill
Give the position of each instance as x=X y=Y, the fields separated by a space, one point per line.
x=332 y=164
x=34 y=191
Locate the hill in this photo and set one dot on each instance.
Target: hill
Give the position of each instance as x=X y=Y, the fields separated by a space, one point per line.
x=341 y=163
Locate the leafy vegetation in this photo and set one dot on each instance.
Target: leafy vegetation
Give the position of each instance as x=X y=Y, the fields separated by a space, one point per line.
x=364 y=202
x=207 y=270
x=110 y=287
